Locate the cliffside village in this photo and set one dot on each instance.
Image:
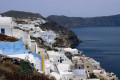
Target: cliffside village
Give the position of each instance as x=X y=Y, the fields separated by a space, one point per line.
x=62 y=63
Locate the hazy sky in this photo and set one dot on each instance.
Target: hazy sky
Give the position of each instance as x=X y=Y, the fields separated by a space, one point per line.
x=80 y=8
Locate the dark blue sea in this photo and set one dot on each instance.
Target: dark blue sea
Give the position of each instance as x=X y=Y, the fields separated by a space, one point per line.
x=102 y=44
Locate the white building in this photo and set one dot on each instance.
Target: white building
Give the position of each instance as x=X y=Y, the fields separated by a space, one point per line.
x=21 y=34
x=39 y=21
x=58 y=57
x=65 y=71
x=48 y=66
x=26 y=26
x=80 y=74
x=34 y=46
x=47 y=36
x=37 y=29
x=100 y=72
x=73 y=51
x=6 y=25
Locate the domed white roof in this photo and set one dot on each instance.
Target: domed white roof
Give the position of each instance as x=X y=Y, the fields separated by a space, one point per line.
x=5 y=20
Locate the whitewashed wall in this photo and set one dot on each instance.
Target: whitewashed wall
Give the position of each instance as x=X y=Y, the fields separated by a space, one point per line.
x=37 y=64
x=26 y=26
x=21 y=34
x=8 y=30
x=34 y=47
x=7 y=24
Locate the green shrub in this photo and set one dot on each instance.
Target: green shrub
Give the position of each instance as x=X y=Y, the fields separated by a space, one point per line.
x=92 y=75
x=23 y=71
x=25 y=68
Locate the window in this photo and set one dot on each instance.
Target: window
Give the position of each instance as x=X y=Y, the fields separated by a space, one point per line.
x=87 y=66
x=2 y=30
x=20 y=25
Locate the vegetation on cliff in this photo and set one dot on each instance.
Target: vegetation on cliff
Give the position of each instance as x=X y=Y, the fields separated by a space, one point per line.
x=18 y=69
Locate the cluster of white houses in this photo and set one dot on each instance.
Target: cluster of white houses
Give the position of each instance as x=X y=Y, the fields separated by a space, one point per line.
x=73 y=66
x=78 y=68
x=47 y=36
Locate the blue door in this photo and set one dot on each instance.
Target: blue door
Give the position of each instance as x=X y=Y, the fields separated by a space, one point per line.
x=32 y=64
x=3 y=31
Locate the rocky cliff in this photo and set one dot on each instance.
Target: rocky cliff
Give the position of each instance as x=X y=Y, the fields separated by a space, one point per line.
x=67 y=37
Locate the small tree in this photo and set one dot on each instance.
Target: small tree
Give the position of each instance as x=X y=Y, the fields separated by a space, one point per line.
x=25 y=67
x=92 y=75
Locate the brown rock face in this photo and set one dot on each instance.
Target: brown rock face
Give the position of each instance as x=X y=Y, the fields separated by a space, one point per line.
x=67 y=38
x=7 y=38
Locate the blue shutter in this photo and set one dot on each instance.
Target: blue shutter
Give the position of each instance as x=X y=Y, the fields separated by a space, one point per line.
x=3 y=31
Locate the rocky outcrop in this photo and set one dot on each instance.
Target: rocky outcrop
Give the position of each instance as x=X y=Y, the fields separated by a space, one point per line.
x=6 y=38
x=67 y=38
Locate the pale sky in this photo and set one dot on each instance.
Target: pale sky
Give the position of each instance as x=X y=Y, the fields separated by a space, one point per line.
x=73 y=8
